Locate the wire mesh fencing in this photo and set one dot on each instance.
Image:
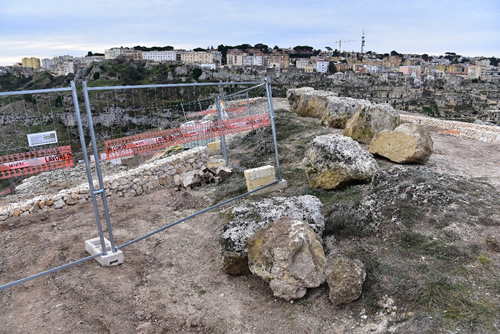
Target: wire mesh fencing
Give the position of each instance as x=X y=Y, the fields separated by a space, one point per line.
x=73 y=159
x=41 y=157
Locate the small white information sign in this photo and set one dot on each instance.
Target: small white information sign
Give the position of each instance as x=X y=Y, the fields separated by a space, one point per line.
x=42 y=138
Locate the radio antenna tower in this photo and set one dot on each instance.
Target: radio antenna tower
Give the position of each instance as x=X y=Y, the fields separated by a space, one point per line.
x=363 y=42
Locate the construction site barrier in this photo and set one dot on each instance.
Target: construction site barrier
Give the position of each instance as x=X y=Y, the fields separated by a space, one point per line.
x=156 y=140
x=27 y=163
x=240 y=110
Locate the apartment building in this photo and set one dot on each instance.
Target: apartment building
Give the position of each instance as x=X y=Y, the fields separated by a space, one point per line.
x=114 y=53
x=302 y=63
x=191 y=57
x=476 y=72
x=235 y=58
x=47 y=63
x=322 y=65
x=31 y=62
x=278 y=60
x=254 y=60
x=159 y=56
x=409 y=70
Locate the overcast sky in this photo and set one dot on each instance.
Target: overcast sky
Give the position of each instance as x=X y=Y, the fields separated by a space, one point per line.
x=48 y=28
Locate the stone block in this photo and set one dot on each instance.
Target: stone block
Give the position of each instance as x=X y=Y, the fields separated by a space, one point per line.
x=258 y=177
x=214 y=148
x=216 y=163
x=93 y=246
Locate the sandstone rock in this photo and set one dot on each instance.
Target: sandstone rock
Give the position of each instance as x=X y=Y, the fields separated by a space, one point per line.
x=72 y=201
x=368 y=121
x=288 y=254
x=59 y=204
x=191 y=179
x=340 y=109
x=345 y=279
x=407 y=143
x=334 y=160
x=313 y=103
x=294 y=96
x=223 y=172
x=249 y=217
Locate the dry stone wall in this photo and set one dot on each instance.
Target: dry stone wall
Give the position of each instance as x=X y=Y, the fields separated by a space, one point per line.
x=134 y=182
x=484 y=133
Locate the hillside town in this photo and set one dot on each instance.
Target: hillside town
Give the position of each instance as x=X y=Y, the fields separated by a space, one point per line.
x=299 y=59
x=450 y=86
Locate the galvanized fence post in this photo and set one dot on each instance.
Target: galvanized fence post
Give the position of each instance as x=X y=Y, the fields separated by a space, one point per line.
x=87 y=166
x=248 y=104
x=273 y=126
x=218 y=107
x=101 y=189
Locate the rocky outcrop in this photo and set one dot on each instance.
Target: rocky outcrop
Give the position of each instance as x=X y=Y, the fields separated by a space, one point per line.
x=311 y=103
x=334 y=160
x=368 y=121
x=340 y=109
x=294 y=96
x=250 y=217
x=407 y=143
x=345 y=279
x=397 y=198
x=332 y=110
x=288 y=254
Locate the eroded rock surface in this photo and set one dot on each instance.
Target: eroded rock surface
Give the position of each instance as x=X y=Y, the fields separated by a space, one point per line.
x=249 y=217
x=334 y=160
x=407 y=143
x=294 y=96
x=288 y=254
x=310 y=103
x=368 y=121
x=345 y=279
x=340 y=109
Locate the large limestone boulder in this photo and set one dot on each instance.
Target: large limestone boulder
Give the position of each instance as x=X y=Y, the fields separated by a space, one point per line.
x=334 y=160
x=250 y=217
x=312 y=103
x=294 y=96
x=288 y=254
x=345 y=279
x=407 y=143
x=368 y=121
x=340 y=109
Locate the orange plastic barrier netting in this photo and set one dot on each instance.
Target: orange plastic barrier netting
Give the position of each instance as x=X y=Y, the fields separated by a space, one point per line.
x=155 y=140
x=454 y=132
x=34 y=162
x=213 y=111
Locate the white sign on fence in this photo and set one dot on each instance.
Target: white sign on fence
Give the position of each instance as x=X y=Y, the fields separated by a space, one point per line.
x=42 y=138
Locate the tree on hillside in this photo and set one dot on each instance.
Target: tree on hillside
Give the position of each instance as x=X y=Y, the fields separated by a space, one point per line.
x=243 y=46
x=303 y=48
x=263 y=47
x=200 y=50
x=332 y=68
x=223 y=50
x=425 y=57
